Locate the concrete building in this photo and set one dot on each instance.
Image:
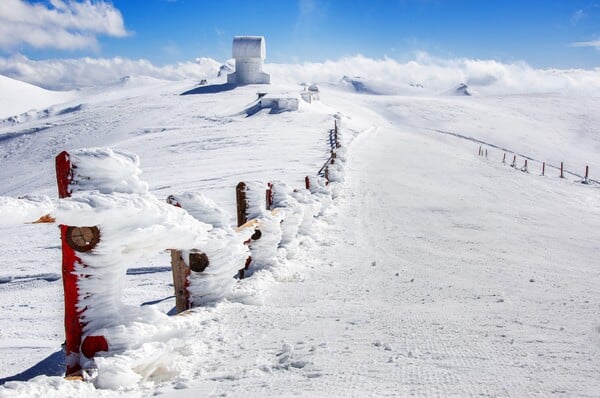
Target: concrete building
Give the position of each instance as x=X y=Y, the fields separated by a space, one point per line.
x=249 y=53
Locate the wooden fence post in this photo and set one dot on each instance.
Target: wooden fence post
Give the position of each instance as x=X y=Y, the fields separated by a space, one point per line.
x=543 y=168
x=514 y=162
x=585 y=178
x=180 y=271
x=242 y=204
x=82 y=239
x=479 y=152
x=307 y=182
x=524 y=169
x=269 y=196
x=242 y=218
x=504 y=158
x=181 y=283
x=562 y=175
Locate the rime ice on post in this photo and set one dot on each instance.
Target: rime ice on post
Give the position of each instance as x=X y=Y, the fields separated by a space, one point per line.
x=249 y=53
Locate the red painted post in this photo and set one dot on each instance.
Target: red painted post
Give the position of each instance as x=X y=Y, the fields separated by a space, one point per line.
x=307 y=182
x=73 y=323
x=562 y=175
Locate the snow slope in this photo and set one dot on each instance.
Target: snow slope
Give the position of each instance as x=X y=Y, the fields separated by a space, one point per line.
x=17 y=97
x=437 y=272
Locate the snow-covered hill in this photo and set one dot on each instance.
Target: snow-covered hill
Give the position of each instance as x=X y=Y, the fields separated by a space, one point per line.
x=436 y=271
x=17 y=97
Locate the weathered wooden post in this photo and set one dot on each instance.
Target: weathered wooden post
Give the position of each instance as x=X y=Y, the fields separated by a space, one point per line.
x=180 y=271
x=514 y=162
x=307 y=182
x=81 y=239
x=269 y=196
x=333 y=156
x=242 y=218
x=337 y=138
x=543 y=168
x=241 y=204
x=181 y=283
x=562 y=175
x=586 y=177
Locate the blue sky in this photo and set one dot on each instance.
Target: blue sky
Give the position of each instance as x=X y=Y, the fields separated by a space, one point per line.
x=543 y=33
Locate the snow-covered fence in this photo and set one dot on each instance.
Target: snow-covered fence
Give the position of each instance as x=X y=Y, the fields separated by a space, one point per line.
x=109 y=219
x=584 y=179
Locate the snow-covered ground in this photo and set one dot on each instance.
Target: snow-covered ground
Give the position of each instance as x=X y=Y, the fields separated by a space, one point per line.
x=437 y=272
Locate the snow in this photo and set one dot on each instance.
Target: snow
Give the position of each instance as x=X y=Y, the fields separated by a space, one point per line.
x=19 y=97
x=420 y=269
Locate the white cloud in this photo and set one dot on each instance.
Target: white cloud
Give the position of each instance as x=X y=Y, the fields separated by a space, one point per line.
x=385 y=76
x=62 y=24
x=592 y=43
x=62 y=74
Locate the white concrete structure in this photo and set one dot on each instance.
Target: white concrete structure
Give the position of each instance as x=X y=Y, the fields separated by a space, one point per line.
x=249 y=53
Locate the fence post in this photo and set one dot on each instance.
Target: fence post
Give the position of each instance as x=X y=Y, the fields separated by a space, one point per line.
x=486 y=153
x=242 y=218
x=181 y=272
x=82 y=239
x=562 y=175
x=333 y=156
x=242 y=204
x=514 y=162
x=479 y=152
x=543 y=168
x=307 y=182
x=504 y=158
x=269 y=196
x=524 y=169
x=587 y=171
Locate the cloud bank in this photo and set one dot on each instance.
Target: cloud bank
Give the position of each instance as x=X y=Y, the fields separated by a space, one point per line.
x=424 y=75
x=62 y=24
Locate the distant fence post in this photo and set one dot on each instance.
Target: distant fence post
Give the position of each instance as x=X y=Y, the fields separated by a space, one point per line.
x=269 y=196
x=514 y=162
x=242 y=218
x=562 y=174
x=586 y=177
x=543 y=168
x=504 y=158
x=479 y=152
x=241 y=204
x=524 y=169
x=81 y=239
x=307 y=182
